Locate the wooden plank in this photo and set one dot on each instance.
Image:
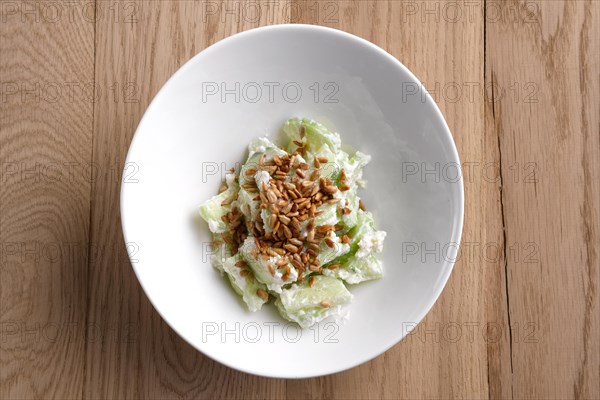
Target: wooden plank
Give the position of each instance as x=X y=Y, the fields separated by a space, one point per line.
x=149 y=360
x=446 y=357
x=547 y=123
x=46 y=92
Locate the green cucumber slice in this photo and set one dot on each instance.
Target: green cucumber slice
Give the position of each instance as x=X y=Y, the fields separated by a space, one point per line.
x=212 y=209
x=357 y=270
x=260 y=267
x=308 y=305
x=246 y=286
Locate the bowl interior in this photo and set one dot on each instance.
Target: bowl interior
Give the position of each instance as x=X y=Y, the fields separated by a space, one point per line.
x=199 y=125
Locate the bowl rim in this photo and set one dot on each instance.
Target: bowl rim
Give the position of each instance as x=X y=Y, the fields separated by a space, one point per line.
x=456 y=234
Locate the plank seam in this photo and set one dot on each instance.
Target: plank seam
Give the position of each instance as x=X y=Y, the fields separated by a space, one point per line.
x=484 y=80
x=505 y=255
x=87 y=292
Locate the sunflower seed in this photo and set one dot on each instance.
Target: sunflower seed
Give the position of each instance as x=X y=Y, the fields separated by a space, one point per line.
x=295 y=242
x=262 y=294
x=281 y=262
x=286 y=209
x=361 y=205
x=272 y=220
x=313 y=246
x=295 y=224
x=329 y=189
x=286 y=231
x=291 y=248
x=303 y=217
x=297 y=264
x=271 y=196
x=325 y=304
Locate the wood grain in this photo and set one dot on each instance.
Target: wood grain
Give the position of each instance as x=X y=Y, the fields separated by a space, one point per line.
x=45 y=148
x=549 y=145
x=518 y=84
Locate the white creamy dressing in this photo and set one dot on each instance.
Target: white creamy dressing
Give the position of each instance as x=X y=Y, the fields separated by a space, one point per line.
x=213 y=225
x=259 y=146
x=230 y=179
x=278 y=283
x=262 y=177
x=265 y=215
x=371 y=242
x=333 y=219
x=300 y=159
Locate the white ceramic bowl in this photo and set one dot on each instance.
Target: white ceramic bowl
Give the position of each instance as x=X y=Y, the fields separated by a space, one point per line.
x=199 y=125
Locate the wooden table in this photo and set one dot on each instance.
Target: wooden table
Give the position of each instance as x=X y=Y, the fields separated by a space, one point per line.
x=518 y=84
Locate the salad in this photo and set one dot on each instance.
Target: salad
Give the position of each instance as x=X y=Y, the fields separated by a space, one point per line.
x=290 y=225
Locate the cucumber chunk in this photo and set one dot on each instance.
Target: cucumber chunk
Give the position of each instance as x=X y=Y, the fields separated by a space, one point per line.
x=308 y=305
x=246 y=286
x=213 y=209
x=358 y=270
x=262 y=271
x=315 y=134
